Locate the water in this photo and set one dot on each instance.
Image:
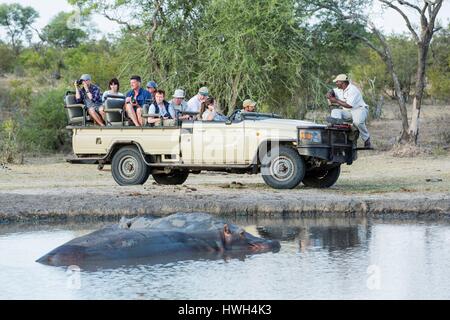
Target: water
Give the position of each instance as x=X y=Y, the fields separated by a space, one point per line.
x=319 y=259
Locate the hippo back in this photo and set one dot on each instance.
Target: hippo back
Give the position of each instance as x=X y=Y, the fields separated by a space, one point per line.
x=183 y=222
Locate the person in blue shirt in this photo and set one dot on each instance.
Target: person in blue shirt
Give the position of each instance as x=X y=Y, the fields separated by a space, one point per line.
x=135 y=99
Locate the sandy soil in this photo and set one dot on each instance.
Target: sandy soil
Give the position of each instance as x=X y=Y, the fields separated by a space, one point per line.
x=50 y=188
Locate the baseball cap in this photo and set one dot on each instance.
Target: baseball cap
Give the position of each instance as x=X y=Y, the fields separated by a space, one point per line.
x=341 y=77
x=86 y=77
x=203 y=91
x=152 y=84
x=178 y=93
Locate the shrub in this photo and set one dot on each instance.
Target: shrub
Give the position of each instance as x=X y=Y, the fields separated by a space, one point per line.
x=9 y=144
x=43 y=128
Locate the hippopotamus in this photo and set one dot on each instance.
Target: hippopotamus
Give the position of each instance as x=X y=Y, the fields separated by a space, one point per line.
x=175 y=237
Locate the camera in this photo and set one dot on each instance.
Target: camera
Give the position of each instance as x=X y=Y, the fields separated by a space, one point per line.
x=79 y=82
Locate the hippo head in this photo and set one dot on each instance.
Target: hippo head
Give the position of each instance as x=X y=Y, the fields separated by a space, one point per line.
x=238 y=240
x=65 y=255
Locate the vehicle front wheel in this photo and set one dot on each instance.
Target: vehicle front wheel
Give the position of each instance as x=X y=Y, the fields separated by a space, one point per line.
x=175 y=177
x=128 y=167
x=322 y=178
x=282 y=168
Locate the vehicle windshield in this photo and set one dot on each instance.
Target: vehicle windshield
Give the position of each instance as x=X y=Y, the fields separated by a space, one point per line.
x=241 y=115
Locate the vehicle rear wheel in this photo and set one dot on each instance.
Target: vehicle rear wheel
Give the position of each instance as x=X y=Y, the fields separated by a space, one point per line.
x=175 y=177
x=128 y=167
x=282 y=168
x=322 y=178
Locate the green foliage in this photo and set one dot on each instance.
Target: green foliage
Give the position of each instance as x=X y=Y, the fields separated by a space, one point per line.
x=43 y=129
x=404 y=54
x=7 y=60
x=20 y=96
x=58 y=34
x=99 y=59
x=439 y=71
x=17 y=21
x=9 y=144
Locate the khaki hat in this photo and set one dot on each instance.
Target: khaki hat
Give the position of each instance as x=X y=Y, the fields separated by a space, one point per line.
x=248 y=103
x=178 y=93
x=203 y=91
x=341 y=77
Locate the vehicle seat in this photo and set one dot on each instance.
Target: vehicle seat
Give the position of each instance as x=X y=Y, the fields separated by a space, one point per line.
x=114 y=110
x=76 y=114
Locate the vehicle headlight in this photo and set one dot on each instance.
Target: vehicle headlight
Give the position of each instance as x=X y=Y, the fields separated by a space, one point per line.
x=310 y=136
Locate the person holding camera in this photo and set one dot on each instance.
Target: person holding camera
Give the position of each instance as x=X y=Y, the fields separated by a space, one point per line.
x=135 y=99
x=351 y=106
x=89 y=95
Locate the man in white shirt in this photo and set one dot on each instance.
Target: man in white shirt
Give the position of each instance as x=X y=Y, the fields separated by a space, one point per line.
x=195 y=102
x=354 y=108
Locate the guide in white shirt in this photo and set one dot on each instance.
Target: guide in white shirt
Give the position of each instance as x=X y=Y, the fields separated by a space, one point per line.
x=353 y=106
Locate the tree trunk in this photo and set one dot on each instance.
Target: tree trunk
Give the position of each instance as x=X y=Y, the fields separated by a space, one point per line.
x=379 y=107
x=404 y=135
x=419 y=90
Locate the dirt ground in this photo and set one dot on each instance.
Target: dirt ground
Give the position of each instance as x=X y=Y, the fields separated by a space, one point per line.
x=378 y=182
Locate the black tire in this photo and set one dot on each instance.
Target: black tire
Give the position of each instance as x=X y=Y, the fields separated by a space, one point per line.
x=173 y=178
x=282 y=168
x=128 y=168
x=324 y=178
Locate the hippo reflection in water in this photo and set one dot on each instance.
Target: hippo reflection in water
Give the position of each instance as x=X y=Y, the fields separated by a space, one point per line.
x=176 y=237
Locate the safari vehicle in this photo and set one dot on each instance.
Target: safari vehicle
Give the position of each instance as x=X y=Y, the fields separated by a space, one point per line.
x=286 y=152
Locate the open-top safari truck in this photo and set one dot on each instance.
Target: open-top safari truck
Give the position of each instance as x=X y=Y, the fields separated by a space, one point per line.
x=286 y=152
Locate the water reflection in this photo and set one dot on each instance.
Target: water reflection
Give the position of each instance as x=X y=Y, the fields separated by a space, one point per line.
x=319 y=259
x=313 y=233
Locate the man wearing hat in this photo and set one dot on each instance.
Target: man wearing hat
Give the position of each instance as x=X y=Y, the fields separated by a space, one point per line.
x=89 y=95
x=353 y=106
x=179 y=104
x=152 y=86
x=196 y=101
x=248 y=105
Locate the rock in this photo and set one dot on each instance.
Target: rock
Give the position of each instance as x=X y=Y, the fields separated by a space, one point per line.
x=433 y=180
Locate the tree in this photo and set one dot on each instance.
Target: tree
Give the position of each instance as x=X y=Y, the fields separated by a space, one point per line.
x=238 y=48
x=17 y=21
x=58 y=34
x=439 y=72
x=427 y=12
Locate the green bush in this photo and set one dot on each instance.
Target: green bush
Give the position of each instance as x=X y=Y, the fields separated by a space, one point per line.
x=9 y=144
x=7 y=60
x=43 y=128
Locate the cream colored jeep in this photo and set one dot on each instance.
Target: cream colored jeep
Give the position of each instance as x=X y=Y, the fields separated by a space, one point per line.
x=286 y=152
